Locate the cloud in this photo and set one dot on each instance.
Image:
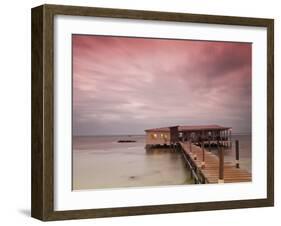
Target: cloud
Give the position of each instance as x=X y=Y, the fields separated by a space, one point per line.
x=125 y=85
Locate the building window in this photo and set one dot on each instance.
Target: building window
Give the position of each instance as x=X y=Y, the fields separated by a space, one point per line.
x=161 y=135
x=154 y=136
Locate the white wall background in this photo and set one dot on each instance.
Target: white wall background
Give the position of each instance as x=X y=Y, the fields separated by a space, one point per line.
x=15 y=112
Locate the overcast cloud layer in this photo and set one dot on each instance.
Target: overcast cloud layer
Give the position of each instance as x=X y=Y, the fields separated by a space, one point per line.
x=127 y=85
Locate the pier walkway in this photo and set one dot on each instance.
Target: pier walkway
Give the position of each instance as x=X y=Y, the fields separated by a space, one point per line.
x=206 y=167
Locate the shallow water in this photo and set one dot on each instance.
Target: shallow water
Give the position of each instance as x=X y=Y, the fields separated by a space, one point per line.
x=101 y=162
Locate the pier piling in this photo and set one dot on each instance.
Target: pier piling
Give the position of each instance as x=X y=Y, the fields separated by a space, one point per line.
x=203 y=155
x=237 y=153
x=221 y=163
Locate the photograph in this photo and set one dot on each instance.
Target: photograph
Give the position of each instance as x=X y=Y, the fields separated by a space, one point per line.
x=160 y=112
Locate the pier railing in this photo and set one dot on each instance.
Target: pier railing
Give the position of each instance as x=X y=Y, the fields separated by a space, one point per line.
x=206 y=167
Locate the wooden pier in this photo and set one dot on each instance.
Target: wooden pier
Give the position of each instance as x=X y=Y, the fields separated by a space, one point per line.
x=195 y=142
x=206 y=167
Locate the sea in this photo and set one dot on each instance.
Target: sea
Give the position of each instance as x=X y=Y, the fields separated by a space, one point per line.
x=100 y=162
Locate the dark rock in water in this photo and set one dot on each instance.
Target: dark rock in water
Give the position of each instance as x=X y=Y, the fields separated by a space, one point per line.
x=126 y=141
x=132 y=177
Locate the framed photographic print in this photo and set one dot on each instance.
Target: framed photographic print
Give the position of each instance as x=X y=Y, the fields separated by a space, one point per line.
x=141 y=112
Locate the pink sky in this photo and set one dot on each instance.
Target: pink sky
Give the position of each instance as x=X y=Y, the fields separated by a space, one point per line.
x=126 y=85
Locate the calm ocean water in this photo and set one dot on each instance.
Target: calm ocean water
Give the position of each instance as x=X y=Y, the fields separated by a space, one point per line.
x=101 y=162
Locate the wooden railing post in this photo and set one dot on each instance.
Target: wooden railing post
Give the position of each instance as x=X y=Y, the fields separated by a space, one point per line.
x=221 y=163
x=203 y=155
x=230 y=137
x=237 y=153
x=190 y=147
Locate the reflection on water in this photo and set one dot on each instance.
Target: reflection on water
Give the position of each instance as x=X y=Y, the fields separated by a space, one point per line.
x=101 y=162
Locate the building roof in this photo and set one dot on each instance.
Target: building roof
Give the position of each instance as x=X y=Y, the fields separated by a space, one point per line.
x=162 y=129
x=202 y=127
x=189 y=128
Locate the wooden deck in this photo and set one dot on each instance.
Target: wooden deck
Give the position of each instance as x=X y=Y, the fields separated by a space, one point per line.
x=210 y=172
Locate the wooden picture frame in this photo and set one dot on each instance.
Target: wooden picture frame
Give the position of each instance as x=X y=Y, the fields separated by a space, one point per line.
x=42 y=204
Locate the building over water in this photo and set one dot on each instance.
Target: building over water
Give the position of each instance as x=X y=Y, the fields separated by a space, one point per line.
x=203 y=133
